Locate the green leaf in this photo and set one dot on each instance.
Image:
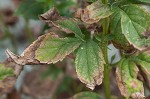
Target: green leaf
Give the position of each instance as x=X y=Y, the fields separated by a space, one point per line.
x=86 y=95
x=53 y=49
x=90 y=64
x=115 y=27
x=126 y=75
x=143 y=60
x=71 y=25
x=134 y=23
x=5 y=72
x=30 y=9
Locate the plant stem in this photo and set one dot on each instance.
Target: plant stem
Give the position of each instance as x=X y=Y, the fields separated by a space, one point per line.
x=106 y=80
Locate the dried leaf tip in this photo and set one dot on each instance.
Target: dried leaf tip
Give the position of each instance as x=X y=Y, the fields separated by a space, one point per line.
x=51 y=14
x=10 y=54
x=17 y=59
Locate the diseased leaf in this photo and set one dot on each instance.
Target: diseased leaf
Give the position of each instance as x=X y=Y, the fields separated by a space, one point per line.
x=90 y=64
x=5 y=72
x=115 y=27
x=143 y=60
x=94 y=12
x=71 y=25
x=52 y=49
x=47 y=49
x=53 y=18
x=126 y=76
x=9 y=71
x=134 y=24
x=86 y=95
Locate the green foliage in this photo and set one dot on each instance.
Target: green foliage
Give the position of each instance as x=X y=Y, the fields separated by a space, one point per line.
x=89 y=64
x=143 y=60
x=5 y=72
x=72 y=26
x=129 y=29
x=53 y=49
x=86 y=95
x=132 y=24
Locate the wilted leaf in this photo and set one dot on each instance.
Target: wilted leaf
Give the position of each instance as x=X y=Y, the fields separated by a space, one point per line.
x=51 y=14
x=47 y=49
x=126 y=75
x=86 y=95
x=9 y=71
x=53 y=18
x=90 y=64
x=94 y=12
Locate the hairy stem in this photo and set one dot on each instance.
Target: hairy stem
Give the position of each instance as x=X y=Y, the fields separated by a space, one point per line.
x=106 y=80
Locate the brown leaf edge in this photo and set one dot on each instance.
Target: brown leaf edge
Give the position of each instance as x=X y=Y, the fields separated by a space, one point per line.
x=8 y=83
x=123 y=90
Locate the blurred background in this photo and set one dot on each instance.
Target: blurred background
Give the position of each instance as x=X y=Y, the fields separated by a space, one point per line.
x=19 y=27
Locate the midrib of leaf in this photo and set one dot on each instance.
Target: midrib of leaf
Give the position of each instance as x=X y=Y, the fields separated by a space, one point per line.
x=88 y=63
